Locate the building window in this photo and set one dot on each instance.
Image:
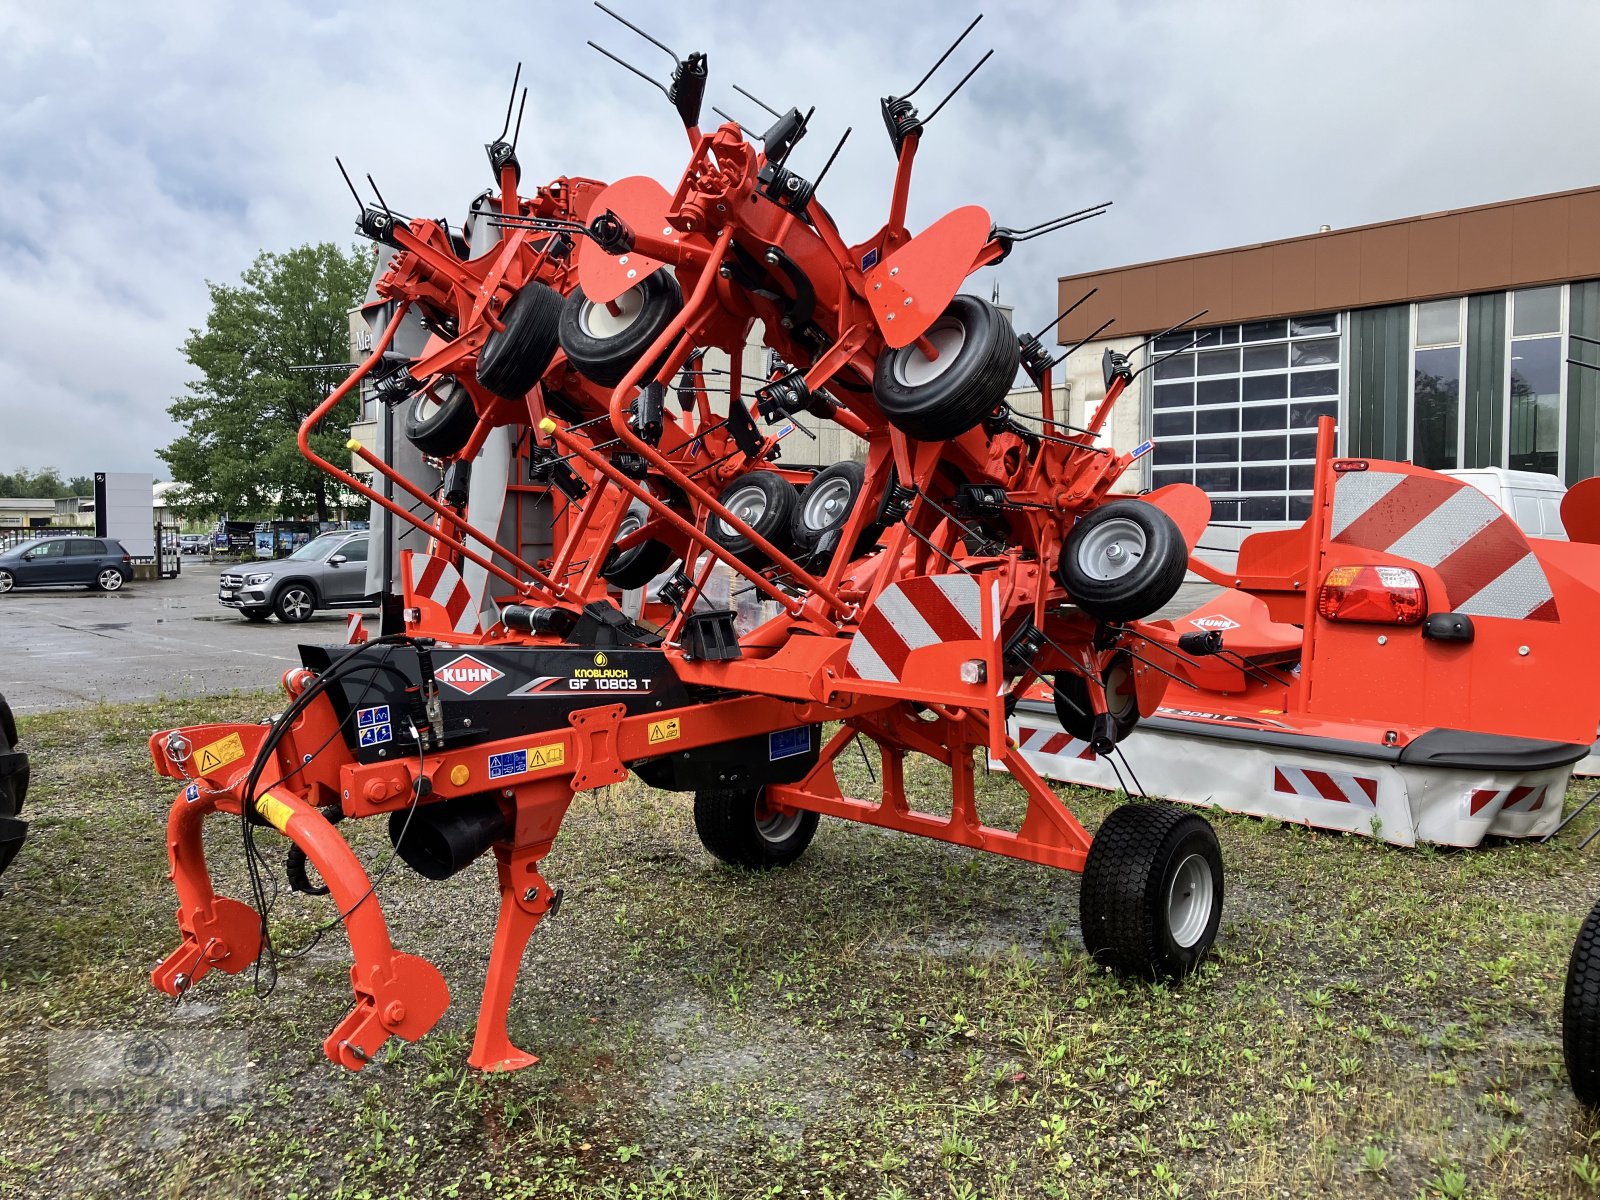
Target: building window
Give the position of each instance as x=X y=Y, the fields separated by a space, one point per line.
x=1533 y=414
x=1436 y=369
x=1237 y=414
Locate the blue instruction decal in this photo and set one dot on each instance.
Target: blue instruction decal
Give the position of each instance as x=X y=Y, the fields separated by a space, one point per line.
x=513 y=762
x=372 y=716
x=786 y=743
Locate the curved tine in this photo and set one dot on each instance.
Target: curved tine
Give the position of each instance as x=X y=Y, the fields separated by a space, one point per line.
x=512 y=99
x=659 y=87
x=758 y=100
x=943 y=56
x=1093 y=210
x=957 y=87
x=615 y=16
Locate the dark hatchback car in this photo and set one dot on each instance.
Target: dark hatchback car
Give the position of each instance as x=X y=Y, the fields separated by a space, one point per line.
x=64 y=561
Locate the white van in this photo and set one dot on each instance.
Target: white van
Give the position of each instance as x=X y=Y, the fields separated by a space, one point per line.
x=1533 y=499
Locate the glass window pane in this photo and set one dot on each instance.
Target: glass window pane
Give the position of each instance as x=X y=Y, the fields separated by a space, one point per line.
x=1309 y=326
x=1299 y=508
x=1264 y=479
x=1216 y=450
x=1266 y=358
x=1536 y=310
x=1264 y=331
x=1266 y=387
x=1436 y=409
x=1173 y=424
x=1314 y=383
x=1216 y=420
x=1262 y=508
x=1304 y=416
x=1217 y=479
x=1217 y=391
x=1221 y=335
x=1162 y=478
x=1303 y=445
x=1265 y=416
x=1319 y=353
x=1302 y=476
x=1173 y=453
x=1218 y=362
x=1535 y=404
x=1264 y=449
x=1179 y=366
x=1438 y=323
x=1173 y=341
x=1168 y=395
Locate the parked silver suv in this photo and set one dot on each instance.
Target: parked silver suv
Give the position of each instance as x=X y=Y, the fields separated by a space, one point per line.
x=329 y=571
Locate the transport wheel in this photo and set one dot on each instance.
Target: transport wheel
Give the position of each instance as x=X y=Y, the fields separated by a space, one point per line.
x=255 y=614
x=13 y=788
x=1152 y=891
x=1076 y=714
x=295 y=602
x=441 y=418
x=739 y=827
x=825 y=504
x=1123 y=561
x=938 y=398
x=513 y=357
x=763 y=500
x=604 y=344
x=1580 y=1012
x=7 y=581
x=109 y=580
x=637 y=565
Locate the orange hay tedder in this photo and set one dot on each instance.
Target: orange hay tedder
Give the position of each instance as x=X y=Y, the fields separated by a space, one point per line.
x=914 y=596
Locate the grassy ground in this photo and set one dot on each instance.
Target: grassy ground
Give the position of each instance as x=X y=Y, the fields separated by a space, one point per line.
x=889 y=1018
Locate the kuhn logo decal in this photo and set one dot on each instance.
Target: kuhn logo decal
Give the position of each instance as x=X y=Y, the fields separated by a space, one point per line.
x=1214 y=621
x=466 y=674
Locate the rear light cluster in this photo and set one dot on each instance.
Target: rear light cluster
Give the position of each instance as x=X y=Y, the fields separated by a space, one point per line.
x=1380 y=595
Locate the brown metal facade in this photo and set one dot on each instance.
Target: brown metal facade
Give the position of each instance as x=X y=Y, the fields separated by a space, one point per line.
x=1494 y=247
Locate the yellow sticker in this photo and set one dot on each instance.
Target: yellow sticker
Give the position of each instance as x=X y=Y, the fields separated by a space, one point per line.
x=275 y=811
x=218 y=754
x=665 y=731
x=552 y=755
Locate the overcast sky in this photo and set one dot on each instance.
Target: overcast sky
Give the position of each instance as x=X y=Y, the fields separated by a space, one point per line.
x=146 y=148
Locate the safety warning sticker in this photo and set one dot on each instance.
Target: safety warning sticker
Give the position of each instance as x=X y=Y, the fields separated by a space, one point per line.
x=374 y=725
x=520 y=762
x=665 y=731
x=786 y=743
x=219 y=754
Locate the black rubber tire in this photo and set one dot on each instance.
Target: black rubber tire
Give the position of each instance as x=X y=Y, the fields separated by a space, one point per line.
x=806 y=528
x=979 y=373
x=1124 y=903
x=1070 y=693
x=1153 y=579
x=13 y=788
x=8 y=726
x=441 y=423
x=289 y=610
x=637 y=565
x=109 y=580
x=1580 y=1013
x=255 y=614
x=771 y=521
x=732 y=829
x=606 y=358
x=513 y=357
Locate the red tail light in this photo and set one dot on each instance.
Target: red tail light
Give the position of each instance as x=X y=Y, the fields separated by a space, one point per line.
x=1382 y=595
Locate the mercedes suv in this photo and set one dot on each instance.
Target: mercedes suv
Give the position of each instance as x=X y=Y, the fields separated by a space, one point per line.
x=329 y=571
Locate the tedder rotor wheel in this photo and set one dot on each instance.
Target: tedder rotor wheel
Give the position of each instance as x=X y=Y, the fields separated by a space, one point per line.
x=825 y=505
x=764 y=501
x=603 y=341
x=738 y=826
x=1076 y=714
x=1152 y=891
x=936 y=398
x=637 y=565
x=1123 y=561
x=515 y=355
x=1580 y=1012
x=441 y=418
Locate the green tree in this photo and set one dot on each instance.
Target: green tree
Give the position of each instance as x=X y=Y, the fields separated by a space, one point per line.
x=47 y=484
x=238 y=453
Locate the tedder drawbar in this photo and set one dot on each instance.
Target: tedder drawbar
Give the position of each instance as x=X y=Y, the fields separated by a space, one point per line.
x=914 y=595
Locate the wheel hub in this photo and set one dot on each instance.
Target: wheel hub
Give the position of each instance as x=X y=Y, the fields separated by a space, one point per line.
x=1189 y=900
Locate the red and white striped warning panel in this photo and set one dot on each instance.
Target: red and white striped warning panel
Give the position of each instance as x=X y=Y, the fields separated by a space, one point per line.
x=1508 y=799
x=1486 y=564
x=1337 y=786
x=1052 y=741
x=353 y=630
x=434 y=586
x=911 y=614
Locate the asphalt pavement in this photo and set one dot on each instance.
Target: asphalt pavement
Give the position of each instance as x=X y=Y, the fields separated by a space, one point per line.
x=63 y=647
